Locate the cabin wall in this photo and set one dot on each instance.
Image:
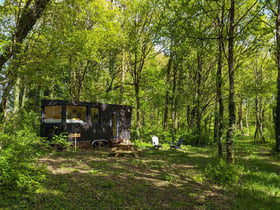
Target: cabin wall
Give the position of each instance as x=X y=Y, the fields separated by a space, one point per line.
x=111 y=122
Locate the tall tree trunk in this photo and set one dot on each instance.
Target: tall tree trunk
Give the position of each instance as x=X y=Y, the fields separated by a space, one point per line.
x=257 y=104
x=277 y=118
x=209 y=126
x=259 y=120
x=198 y=96
x=17 y=96
x=174 y=104
x=219 y=82
x=188 y=116
x=166 y=107
x=138 y=123
x=231 y=106
x=219 y=114
x=215 y=134
x=23 y=97
x=5 y=99
x=240 y=114
x=247 y=119
x=124 y=69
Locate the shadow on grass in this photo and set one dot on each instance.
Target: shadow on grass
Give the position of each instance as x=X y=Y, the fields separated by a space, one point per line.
x=260 y=185
x=250 y=198
x=157 y=180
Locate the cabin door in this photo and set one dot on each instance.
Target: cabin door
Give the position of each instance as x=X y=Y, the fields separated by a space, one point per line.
x=114 y=125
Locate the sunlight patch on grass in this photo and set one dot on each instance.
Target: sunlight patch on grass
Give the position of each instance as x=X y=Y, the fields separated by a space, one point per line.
x=49 y=192
x=199 y=155
x=267 y=183
x=158 y=179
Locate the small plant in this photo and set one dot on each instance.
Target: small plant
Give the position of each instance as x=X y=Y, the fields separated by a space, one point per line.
x=198 y=178
x=224 y=173
x=167 y=177
x=60 y=142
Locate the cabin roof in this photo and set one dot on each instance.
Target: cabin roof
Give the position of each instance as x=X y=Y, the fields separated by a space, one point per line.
x=79 y=103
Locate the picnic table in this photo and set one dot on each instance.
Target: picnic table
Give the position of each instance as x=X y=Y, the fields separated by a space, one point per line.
x=126 y=148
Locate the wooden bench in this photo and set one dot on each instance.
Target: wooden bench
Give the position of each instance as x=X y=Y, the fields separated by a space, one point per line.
x=126 y=149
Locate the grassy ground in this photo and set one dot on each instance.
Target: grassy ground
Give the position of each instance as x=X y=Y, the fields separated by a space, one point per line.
x=170 y=179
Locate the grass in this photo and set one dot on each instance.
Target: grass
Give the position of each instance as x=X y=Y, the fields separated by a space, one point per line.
x=91 y=179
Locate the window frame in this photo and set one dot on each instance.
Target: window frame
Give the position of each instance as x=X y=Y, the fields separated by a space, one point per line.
x=98 y=115
x=56 y=121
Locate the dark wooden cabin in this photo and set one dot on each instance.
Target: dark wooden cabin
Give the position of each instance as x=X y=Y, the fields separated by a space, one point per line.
x=89 y=122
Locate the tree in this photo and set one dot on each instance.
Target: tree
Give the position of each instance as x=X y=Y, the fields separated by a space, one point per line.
x=140 y=25
x=277 y=119
x=27 y=16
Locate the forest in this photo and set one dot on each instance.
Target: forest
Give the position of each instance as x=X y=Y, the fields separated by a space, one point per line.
x=207 y=70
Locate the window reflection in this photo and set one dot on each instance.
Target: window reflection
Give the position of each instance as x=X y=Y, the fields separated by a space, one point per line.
x=75 y=114
x=52 y=114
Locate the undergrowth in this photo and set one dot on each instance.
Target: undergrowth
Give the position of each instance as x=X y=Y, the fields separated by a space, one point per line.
x=220 y=172
x=19 y=173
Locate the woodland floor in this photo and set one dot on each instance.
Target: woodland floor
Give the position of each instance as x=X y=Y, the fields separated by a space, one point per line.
x=164 y=179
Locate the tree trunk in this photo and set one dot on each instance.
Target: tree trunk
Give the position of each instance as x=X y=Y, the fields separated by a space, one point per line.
x=259 y=121
x=138 y=123
x=166 y=107
x=23 y=97
x=219 y=82
x=257 y=118
x=231 y=106
x=174 y=104
x=219 y=107
x=247 y=119
x=124 y=67
x=27 y=20
x=240 y=115
x=5 y=99
x=17 y=96
x=198 y=96
x=277 y=117
x=216 y=122
x=188 y=117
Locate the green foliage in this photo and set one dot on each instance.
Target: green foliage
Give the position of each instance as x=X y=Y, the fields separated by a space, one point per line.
x=24 y=120
x=224 y=173
x=190 y=137
x=87 y=179
x=18 y=170
x=60 y=141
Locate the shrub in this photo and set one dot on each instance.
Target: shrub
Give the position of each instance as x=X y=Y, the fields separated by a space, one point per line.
x=18 y=156
x=191 y=137
x=224 y=173
x=24 y=120
x=60 y=141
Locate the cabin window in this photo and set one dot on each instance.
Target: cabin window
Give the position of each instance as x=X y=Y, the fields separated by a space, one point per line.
x=52 y=114
x=94 y=115
x=76 y=114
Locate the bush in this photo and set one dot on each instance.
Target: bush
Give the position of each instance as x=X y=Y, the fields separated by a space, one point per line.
x=191 y=137
x=146 y=134
x=224 y=173
x=60 y=142
x=22 y=121
x=18 y=170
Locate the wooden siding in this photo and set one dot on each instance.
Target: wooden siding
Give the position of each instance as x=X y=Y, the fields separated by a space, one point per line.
x=88 y=130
